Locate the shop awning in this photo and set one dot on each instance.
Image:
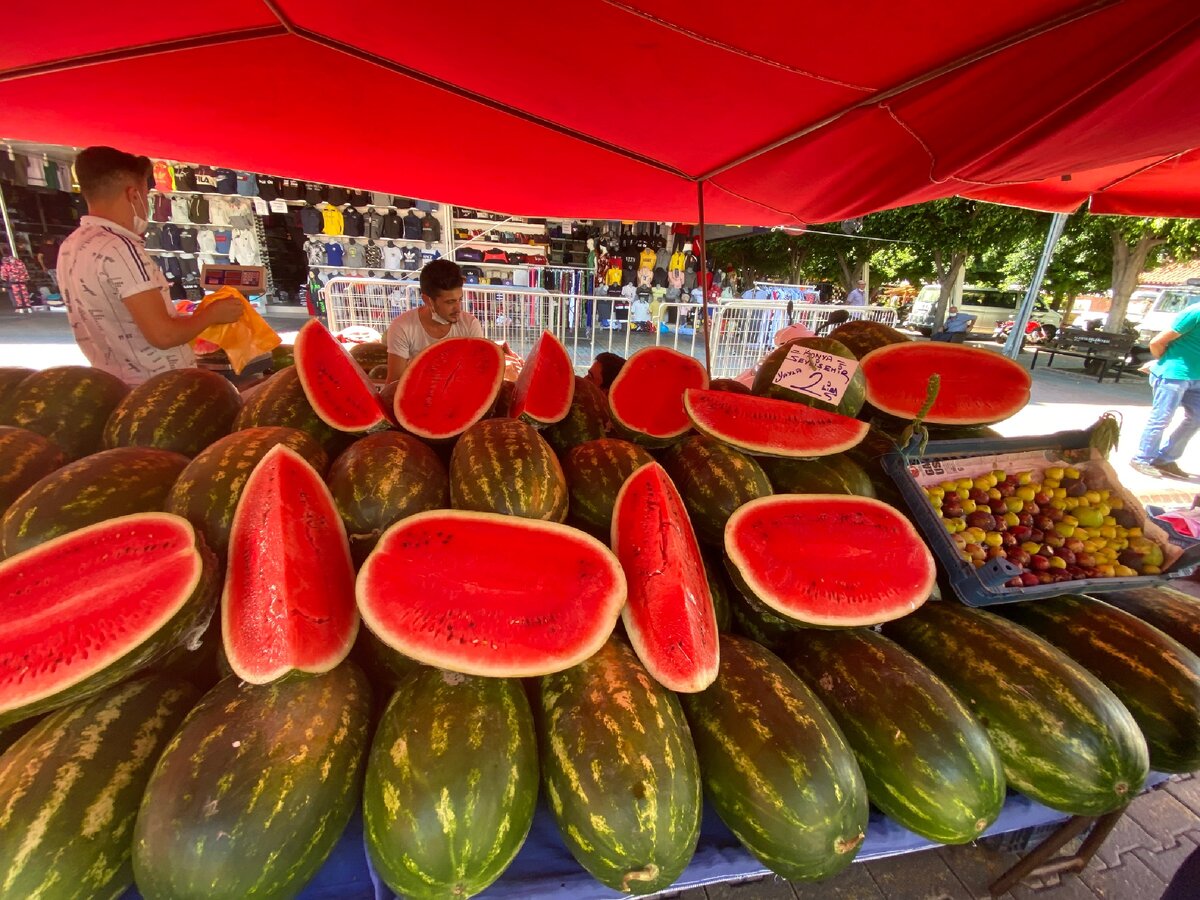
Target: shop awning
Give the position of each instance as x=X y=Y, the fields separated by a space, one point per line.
x=787 y=112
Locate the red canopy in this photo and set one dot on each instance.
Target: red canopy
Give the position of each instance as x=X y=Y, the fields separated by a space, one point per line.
x=788 y=112
x=1159 y=186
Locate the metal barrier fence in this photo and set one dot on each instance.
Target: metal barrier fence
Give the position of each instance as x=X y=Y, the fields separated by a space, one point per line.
x=741 y=332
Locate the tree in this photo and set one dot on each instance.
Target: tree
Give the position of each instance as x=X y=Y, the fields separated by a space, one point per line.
x=1138 y=243
x=1082 y=261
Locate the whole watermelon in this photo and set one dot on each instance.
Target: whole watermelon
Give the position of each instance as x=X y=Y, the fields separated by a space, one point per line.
x=587 y=420
x=504 y=466
x=280 y=402
x=836 y=474
x=714 y=479
x=862 y=336
x=595 y=471
x=854 y=393
x=67 y=404
x=25 y=458
x=369 y=355
x=183 y=410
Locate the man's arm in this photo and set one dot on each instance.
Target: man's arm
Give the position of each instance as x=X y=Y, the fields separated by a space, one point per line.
x=1158 y=346
x=164 y=331
x=396 y=366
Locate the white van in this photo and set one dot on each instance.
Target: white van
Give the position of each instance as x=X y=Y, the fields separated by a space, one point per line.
x=990 y=306
x=1164 y=307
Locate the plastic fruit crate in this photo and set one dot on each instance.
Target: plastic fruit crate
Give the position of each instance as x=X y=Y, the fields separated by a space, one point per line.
x=985 y=586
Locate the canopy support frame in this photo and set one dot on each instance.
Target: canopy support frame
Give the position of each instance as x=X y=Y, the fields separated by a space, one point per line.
x=703 y=276
x=1016 y=337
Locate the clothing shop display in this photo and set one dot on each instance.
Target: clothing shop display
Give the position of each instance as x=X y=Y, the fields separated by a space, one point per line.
x=179 y=209
x=338 y=196
x=360 y=198
x=411 y=257
x=206 y=241
x=372 y=224
x=332 y=220
x=170 y=238
x=187 y=240
x=223 y=238
x=333 y=253
x=431 y=229
x=226 y=181
x=247 y=185
x=352 y=222
x=185 y=178
x=311 y=220
x=314 y=193
x=373 y=256
x=393 y=258
x=164 y=179
x=393 y=225
x=268 y=187
x=315 y=251
x=291 y=189
x=354 y=257
x=412 y=226
x=153 y=238
x=198 y=210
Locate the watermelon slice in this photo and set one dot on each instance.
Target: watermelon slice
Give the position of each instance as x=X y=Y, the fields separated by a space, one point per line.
x=337 y=388
x=977 y=387
x=448 y=387
x=646 y=397
x=487 y=594
x=546 y=385
x=669 y=616
x=86 y=610
x=769 y=427
x=828 y=559
x=288 y=602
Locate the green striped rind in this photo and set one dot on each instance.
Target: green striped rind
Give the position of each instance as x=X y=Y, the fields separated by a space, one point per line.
x=728 y=384
x=504 y=466
x=1155 y=676
x=714 y=479
x=595 y=471
x=379 y=480
x=926 y=761
x=101 y=486
x=67 y=404
x=836 y=474
x=70 y=790
x=854 y=394
x=588 y=418
x=183 y=410
x=1065 y=739
x=620 y=771
x=776 y=768
x=368 y=355
x=721 y=590
x=280 y=402
x=1173 y=612
x=861 y=336
x=385 y=667
x=255 y=788
x=10 y=377
x=754 y=619
x=451 y=784
x=189 y=622
x=207 y=491
x=282 y=356
x=25 y=458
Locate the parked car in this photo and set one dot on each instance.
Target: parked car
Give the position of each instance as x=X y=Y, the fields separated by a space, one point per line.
x=1166 y=304
x=990 y=306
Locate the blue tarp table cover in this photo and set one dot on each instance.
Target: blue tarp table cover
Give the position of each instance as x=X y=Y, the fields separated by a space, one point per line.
x=545 y=869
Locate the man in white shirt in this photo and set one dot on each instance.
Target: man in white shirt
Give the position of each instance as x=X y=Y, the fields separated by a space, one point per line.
x=118 y=301
x=858 y=296
x=438 y=317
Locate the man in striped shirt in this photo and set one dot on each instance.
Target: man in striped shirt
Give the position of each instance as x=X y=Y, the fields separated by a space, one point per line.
x=118 y=301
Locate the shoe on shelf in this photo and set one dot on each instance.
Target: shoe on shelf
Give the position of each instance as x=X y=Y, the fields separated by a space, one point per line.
x=1146 y=468
x=1171 y=470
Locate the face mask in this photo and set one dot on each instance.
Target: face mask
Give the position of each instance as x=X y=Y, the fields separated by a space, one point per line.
x=140 y=223
x=439 y=319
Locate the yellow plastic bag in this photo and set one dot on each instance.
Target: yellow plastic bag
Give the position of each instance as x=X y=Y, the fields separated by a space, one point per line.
x=247 y=338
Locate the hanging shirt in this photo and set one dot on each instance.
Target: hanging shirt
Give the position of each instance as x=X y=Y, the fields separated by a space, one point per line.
x=354 y=257
x=100 y=266
x=185 y=178
x=352 y=222
x=164 y=180
x=411 y=257
x=226 y=181
x=393 y=225
x=431 y=229
x=372 y=224
x=334 y=251
x=332 y=221
x=179 y=209
x=205 y=241
x=393 y=257
x=646 y=259
x=412 y=227
x=311 y=220
x=678 y=262
x=315 y=251
x=373 y=256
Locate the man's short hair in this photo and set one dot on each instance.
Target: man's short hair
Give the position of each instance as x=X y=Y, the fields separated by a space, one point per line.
x=440 y=275
x=102 y=171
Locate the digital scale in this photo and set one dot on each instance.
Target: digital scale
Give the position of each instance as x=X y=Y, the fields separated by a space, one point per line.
x=251 y=281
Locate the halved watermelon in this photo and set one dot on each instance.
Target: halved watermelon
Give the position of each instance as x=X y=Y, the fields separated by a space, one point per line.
x=546 y=385
x=448 y=387
x=288 y=602
x=828 y=559
x=646 y=397
x=669 y=616
x=337 y=388
x=977 y=387
x=486 y=594
x=88 y=609
x=769 y=427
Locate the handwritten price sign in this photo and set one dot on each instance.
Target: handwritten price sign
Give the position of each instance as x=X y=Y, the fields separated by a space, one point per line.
x=815 y=374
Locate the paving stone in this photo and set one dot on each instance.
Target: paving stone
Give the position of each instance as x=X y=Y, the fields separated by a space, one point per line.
x=1162 y=815
x=1063 y=887
x=1128 y=835
x=1164 y=863
x=1187 y=792
x=770 y=888
x=917 y=876
x=689 y=894
x=1132 y=880
x=854 y=883
x=976 y=866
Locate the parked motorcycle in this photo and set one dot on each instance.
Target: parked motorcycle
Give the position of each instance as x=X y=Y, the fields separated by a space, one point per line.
x=1035 y=332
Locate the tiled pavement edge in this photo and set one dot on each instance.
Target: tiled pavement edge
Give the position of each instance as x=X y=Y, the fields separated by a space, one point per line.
x=1137 y=860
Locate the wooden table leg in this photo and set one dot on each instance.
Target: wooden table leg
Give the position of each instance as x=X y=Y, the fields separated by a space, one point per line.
x=1042 y=854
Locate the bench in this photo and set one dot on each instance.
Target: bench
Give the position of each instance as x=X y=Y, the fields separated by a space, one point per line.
x=1099 y=350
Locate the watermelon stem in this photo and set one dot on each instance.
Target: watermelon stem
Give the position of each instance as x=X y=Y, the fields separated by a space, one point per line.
x=1105 y=434
x=917 y=428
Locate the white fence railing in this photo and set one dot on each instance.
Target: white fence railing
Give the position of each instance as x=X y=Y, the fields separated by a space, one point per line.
x=741 y=332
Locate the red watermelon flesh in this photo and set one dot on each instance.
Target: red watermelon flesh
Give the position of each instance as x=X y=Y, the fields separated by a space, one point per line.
x=831 y=560
x=768 y=427
x=288 y=602
x=646 y=397
x=448 y=387
x=86 y=601
x=669 y=615
x=977 y=387
x=487 y=594
x=546 y=385
x=337 y=388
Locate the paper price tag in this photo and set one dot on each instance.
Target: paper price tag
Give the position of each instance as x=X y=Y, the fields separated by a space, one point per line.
x=815 y=373
x=279 y=206
x=260 y=206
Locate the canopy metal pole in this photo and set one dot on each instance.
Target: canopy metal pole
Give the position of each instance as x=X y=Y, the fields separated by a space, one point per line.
x=1016 y=337
x=12 y=241
x=703 y=277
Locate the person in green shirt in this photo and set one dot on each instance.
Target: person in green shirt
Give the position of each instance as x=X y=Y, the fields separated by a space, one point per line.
x=1175 y=381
